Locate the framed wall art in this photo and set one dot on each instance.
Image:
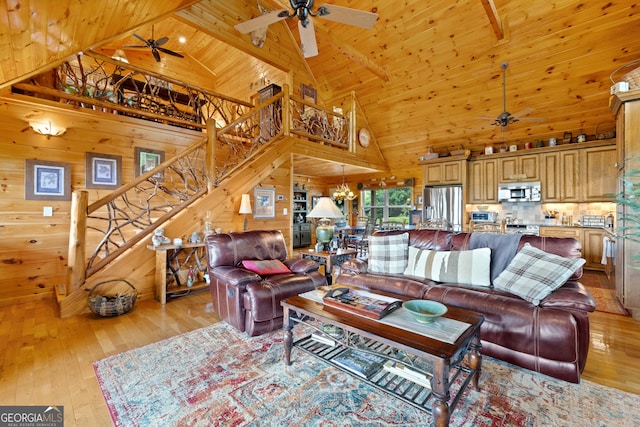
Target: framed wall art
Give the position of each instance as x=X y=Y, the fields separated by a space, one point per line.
x=45 y=180
x=264 y=202
x=103 y=171
x=147 y=159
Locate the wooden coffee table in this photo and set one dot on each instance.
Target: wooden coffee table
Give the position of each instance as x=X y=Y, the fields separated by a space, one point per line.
x=445 y=359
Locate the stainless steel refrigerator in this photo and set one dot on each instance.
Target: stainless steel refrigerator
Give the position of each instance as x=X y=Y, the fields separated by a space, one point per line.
x=443 y=202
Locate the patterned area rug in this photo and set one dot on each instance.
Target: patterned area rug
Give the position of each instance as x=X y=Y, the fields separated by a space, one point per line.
x=216 y=376
x=607 y=302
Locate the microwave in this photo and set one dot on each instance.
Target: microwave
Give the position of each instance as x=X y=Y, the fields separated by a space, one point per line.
x=519 y=192
x=483 y=216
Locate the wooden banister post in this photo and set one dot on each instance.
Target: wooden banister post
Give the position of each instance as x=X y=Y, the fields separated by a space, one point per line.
x=212 y=137
x=286 y=110
x=77 y=240
x=353 y=118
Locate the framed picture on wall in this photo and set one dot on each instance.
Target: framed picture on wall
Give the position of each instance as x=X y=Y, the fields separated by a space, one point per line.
x=314 y=201
x=264 y=200
x=45 y=180
x=103 y=171
x=415 y=217
x=146 y=159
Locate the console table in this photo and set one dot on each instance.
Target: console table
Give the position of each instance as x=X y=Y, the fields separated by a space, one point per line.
x=172 y=266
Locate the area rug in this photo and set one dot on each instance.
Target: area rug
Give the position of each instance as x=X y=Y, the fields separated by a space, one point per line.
x=607 y=302
x=216 y=376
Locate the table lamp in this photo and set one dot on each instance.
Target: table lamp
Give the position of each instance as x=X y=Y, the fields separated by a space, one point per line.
x=325 y=210
x=245 y=208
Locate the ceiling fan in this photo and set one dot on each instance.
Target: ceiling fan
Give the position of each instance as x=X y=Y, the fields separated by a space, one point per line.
x=506 y=118
x=155 y=45
x=302 y=9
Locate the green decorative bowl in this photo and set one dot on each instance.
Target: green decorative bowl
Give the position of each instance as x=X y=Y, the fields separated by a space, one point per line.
x=425 y=311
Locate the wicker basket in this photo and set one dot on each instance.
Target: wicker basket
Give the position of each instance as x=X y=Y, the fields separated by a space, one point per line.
x=114 y=302
x=632 y=77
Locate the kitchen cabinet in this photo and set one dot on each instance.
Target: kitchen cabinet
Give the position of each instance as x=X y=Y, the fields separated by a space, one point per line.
x=559 y=177
x=598 y=166
x=443 y=172
x=592 y=246
x=483 y=184
x=589 y=238
x=626 y=107
x=519 y=168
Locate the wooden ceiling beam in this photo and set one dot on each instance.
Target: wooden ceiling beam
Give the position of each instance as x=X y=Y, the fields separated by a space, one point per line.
x=494 y=18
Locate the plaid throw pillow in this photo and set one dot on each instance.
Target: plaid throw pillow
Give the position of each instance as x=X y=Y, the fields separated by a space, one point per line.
x=388 y=254
x=533 y=274
x=464 y=267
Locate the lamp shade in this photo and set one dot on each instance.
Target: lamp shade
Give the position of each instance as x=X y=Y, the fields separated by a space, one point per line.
x=325 y=209
x=245 y=204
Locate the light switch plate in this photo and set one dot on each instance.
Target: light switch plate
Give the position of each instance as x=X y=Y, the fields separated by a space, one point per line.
x=47 y=211
x=284 y=211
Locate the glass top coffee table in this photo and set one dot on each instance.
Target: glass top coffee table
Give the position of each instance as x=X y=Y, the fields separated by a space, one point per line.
x=439 y=371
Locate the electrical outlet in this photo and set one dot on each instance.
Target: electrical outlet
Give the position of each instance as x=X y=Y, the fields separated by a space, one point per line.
x=47 y=211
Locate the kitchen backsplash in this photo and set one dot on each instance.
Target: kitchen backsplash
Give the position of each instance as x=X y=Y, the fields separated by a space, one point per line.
x=534 y=213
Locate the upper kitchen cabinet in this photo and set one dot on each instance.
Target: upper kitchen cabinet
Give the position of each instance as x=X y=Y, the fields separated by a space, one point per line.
x=519 y=168
x=440 y=171
x=598 y=166
x=559 y=177
x=483 y=185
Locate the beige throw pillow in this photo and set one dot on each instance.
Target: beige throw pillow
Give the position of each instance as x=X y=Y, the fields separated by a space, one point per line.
x=465 y=267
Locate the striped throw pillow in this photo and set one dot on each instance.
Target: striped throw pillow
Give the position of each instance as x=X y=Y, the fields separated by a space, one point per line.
x=388 y=254
x=533 y=274
x=465 y=267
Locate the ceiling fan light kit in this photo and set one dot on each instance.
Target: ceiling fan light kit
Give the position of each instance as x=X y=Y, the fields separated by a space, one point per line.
x=303 y=10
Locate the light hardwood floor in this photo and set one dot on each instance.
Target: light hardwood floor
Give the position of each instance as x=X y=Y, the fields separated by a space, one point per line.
x=48 y=361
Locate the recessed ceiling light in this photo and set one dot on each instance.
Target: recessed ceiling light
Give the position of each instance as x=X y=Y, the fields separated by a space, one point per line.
x=182 y=39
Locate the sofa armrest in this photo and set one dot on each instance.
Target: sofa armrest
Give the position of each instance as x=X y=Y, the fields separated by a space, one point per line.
x=354 y=266
x=301 y=265
x=234 y=276
x=572 y=295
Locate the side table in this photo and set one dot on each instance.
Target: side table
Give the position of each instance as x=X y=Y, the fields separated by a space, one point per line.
x=172 y=266
x=328 y=259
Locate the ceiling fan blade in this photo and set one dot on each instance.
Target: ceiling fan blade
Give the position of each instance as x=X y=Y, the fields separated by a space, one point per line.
x=259 y=22
x=170 y=52
x=160 y=41
x=136 y=47
x=308 y=39
x=533 y=119
x=346 y=15
x=524 y=112
x=145 y=41
x=156 y=54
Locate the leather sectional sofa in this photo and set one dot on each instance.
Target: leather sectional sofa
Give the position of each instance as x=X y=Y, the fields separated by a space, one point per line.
x=249 y=300
x=551 y=338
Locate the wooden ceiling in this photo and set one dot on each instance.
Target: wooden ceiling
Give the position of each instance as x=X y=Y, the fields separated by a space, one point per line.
x=427 y=75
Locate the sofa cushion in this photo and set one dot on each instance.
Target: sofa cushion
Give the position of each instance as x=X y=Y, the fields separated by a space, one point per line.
x=388 y=253
x=464 y=267
x=266 y=267
x=533 y=274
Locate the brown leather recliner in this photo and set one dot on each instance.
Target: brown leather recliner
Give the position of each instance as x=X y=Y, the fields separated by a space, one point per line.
x=244 y=299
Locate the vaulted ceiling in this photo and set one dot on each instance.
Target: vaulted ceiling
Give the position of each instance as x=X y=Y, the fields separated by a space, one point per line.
x=427 y=75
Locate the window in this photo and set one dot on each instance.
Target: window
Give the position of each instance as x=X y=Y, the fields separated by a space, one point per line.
x=389 y=204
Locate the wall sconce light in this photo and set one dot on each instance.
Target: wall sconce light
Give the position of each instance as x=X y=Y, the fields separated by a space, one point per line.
x=119 y=55
x=47 y=129
x=245 y=208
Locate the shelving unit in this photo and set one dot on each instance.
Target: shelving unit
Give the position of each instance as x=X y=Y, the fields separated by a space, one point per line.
x=301 y=228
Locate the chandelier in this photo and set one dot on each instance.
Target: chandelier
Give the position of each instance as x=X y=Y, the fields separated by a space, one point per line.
x=343 y=191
